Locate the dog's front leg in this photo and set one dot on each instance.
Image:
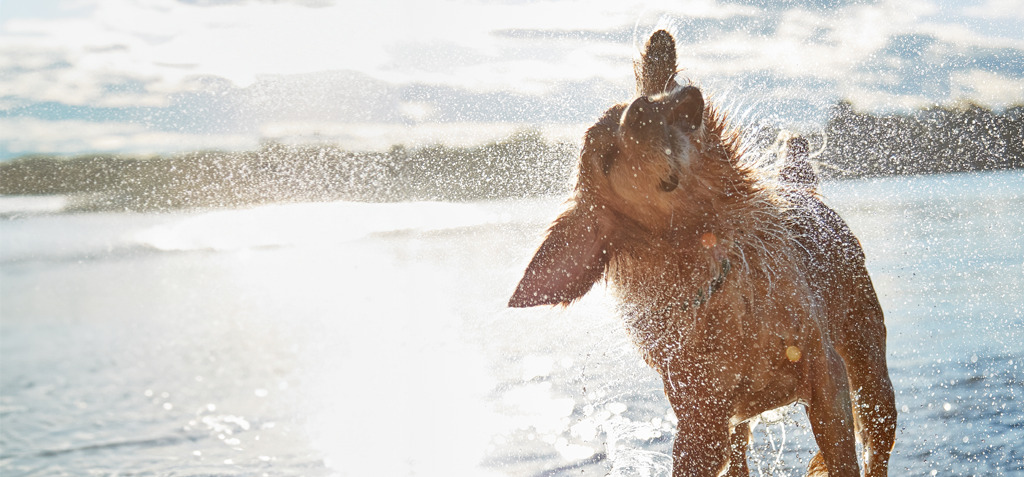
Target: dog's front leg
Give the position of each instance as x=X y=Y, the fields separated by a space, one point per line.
x=701 y=447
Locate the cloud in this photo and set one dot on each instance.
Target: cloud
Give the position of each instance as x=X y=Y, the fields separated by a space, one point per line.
x=305 y=3
x=996 y=10
x=985 y=87
x=19 y=136
x=218 y=106
x=264 y=68
x=923 y=69
x=786 y=4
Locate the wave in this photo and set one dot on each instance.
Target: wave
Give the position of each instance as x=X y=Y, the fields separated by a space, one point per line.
x=15 y=205
x=64 y=237
x=315 y=224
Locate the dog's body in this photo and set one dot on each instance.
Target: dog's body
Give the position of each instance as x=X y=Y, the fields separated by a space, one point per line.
x=745 y=292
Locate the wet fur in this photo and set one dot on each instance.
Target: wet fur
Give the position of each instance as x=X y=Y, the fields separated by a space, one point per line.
x=721 y=268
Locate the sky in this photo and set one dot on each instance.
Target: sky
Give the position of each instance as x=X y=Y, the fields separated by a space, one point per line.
x=158 y=76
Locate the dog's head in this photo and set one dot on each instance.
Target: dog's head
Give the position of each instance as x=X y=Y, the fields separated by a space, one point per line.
x=642 y=165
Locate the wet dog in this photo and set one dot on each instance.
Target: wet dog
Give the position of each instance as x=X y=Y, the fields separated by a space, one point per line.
x=738 y=285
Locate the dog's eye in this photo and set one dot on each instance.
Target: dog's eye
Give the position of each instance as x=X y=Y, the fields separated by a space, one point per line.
x=608 y=159
x=670 y=184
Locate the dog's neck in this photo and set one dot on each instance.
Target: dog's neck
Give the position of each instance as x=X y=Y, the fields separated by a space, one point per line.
x=694 y=257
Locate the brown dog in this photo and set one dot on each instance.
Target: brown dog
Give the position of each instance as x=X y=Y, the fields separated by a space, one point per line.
x=741 y=288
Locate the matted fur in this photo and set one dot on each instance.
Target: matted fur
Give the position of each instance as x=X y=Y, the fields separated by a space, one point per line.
x=743 y=290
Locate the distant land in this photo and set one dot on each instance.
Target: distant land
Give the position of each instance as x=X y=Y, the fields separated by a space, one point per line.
x=944 y=139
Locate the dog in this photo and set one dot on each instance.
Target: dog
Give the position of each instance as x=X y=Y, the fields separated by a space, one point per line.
x=738 y=285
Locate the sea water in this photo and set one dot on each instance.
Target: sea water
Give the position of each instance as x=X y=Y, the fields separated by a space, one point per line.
x=373 y=339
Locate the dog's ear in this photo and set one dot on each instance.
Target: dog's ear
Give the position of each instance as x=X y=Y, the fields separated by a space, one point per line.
x=656 y=69
x=569 y=261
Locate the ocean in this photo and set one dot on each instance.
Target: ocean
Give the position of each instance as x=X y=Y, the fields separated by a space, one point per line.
x=355 y=339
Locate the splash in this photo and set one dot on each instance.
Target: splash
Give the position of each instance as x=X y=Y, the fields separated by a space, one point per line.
x=768 y=458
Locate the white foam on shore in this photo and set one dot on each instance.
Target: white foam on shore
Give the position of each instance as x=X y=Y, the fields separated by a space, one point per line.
x=314 y=224
x=32 y=204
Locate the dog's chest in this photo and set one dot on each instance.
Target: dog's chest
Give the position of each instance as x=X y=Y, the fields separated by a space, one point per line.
x=722 y=314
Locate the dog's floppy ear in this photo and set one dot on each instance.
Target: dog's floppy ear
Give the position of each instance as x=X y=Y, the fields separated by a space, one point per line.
x=569 y=261
x=657 y=65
